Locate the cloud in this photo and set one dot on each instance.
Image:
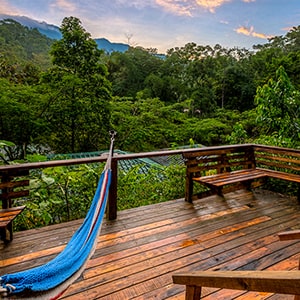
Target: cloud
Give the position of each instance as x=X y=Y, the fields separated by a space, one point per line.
x=288 y=28
x=248 y=1
x=65 y=5
x=7 y=8
x=139 y=4
x=187 y=7
x=211 y=5
x=178 y=7
x=224 y=22
x=249 y=31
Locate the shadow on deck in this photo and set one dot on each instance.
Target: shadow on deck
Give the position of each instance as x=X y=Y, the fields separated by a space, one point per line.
x=138 y=253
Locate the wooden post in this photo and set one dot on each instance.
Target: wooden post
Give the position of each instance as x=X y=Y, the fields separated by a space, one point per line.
x=113 y=193
x=193 y=292
x=6 y=233
x=188 y=187
x=6 y=201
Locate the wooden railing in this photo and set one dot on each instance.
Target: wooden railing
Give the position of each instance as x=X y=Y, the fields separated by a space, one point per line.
x=15 y=176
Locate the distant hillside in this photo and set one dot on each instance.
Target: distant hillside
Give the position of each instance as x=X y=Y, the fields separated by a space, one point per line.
x=53 y=32
x=111 y=47
x=20 y=44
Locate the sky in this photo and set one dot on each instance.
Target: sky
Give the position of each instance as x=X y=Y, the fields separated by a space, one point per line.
x=166 y=24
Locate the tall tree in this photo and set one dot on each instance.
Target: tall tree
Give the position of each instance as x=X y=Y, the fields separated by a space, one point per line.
x=20 y=120
x=278 y=110
x=78 y=106
x=129 y=70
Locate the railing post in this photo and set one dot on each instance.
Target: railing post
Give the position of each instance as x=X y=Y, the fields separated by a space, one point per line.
x=6 y=201
x=6 y=233
x=113 y=193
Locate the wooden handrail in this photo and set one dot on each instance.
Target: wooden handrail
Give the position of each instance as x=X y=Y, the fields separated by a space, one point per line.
x=102 y=158
x=7 y=171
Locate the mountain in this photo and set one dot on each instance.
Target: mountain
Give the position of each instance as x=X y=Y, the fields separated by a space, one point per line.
x=22 y=45
x=53 y=32
x=109 y=47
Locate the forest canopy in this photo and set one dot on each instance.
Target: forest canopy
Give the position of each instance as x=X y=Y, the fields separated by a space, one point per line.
x=63 y=96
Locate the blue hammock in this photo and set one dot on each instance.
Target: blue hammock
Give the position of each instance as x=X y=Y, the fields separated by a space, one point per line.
x=49 y=281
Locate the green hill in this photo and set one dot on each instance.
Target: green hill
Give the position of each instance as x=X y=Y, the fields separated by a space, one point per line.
x=21 y=45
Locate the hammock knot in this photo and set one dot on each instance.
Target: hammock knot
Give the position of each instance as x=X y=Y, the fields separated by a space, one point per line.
x=6 y=289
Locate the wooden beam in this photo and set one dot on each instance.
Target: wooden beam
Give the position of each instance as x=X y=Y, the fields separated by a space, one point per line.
x=281 y=282
x=289 y=235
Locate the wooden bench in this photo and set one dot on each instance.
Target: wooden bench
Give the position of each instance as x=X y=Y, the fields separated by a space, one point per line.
x=221 y=170
x=6 y=218
x=280 y=282
x=228 y=168
x=13 y=185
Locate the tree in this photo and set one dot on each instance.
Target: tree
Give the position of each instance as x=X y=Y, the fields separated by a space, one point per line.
x=78 y=105
x=278 y=104
x=128 y=71
x=22 y=45
x=20 y=120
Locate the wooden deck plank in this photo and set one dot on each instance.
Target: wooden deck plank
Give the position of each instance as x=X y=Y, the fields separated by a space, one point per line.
x=137 y=254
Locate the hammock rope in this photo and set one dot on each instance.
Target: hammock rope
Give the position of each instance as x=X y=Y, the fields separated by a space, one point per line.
x=50 y=280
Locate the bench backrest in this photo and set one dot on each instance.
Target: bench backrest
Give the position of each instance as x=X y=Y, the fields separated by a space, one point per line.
x=13 y=185
x=279 y=159
x=215 y=161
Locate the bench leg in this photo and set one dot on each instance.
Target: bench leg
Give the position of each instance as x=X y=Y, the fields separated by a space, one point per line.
x=6 y=233
x=188 y=189
x=193 y=292
x=220 y=191
x=2 y=233
x=298 y=193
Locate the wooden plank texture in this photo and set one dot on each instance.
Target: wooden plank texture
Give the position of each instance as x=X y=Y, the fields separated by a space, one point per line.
x=138 y=253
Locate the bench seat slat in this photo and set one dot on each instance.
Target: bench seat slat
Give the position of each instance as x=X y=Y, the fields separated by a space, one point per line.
x=231 y=177
x=282 y=175
x=8 y=215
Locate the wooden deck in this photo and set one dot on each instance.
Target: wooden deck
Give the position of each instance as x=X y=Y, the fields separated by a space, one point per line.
x=138 y=253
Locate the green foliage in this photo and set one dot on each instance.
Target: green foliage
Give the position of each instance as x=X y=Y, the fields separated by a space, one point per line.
x=238 y=135
x=196 y=92
x=65 y=193
x=77 y=107
x=278 y=108
x=58 y=195
x=5 y=150
x=20 y=45
x=136 y=188
x=146 y=124
x=129 y=72
x=21 y=122
x=208 y=131
x=77 y=51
